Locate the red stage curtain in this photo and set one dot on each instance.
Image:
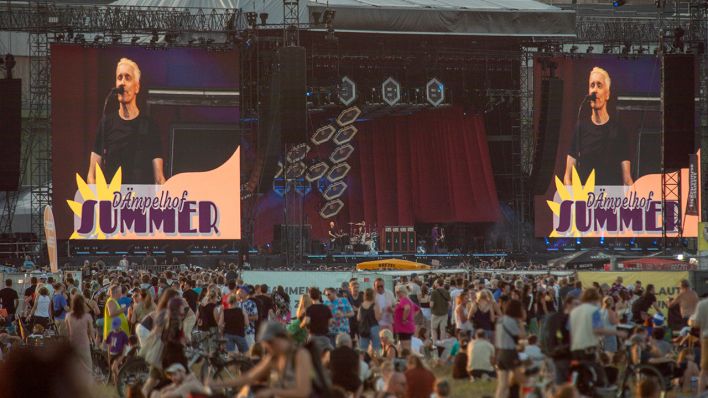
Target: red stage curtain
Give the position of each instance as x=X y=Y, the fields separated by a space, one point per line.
x=430 y=167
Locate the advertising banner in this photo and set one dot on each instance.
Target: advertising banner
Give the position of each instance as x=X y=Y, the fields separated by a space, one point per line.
x=50 y=234
x=692 y=201
x=665 y=283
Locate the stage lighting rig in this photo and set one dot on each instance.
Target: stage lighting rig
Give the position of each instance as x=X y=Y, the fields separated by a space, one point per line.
x=347 y=91
x=335 y=190
x=573 y=49
x=134 y=40
x=323 y=134
x=341 y=153
x=435 y=92
x=80 y=38
x=328 y=16
x=348 y=116
x=316 y=171
x=316 y=17
x=332 y=208
x=264 y=18
x=338 y=172
x=677 y=43
x=391 y=91
x=154 y=37
x=345 y=134
x=115 y=39
x=589 y=50
x=252 y=19
x=618 y=3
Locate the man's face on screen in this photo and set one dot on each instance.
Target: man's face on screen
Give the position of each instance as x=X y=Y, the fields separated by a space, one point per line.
x=598 y=85
x=126 y=76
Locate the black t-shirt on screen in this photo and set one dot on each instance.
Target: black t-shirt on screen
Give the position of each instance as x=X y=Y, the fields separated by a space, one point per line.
x=319 y=319
x=129 y=144
x=602 y=148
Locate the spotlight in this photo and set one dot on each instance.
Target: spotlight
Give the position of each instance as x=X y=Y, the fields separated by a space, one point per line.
x=641 y=50
x=80 y=38
x=134 y=40
x=59 y=37
x=154 y=37
x=626 y=49
x=678 y=44
x=574 y=49
x=329 y=16
x=97 y=39
x=589 y=50
x=618 y=3
x=391 y=91
x=70 y=34
x=264 y=18
x=606 y=49
x=316 y=17
x=9 y=64
x=252 y=19
x=115 y=39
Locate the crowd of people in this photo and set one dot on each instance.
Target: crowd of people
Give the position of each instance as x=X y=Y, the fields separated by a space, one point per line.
x=519 y=333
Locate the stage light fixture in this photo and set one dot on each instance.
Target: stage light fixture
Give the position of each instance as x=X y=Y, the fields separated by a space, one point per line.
x=341 y=153
x=264 y=18
x=59 y=37
x=678 y=43
x=345 y=134
x=70 y=34
x=280 y=186
x=331 y=208
x=338 y=172
x=328 y=16
x=618 y=3
x=626 y=49
x=323 y=134
x=316 y=17
x=115 y=39
x=335 y=190
x=97 y=39
x=348 y=116
x=434 y=92
x=347 y=91
x=134 y=40
x=154 y=37
x=80 y=38
x=607 y=49
x=279 y=173
x=589 y=50
x=295 y=170
x=297 y=153
x=252 y=19
x=573 y=49
x=391 y=91
x=316 y=171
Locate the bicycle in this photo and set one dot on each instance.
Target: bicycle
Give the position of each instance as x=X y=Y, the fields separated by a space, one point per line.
x=634 y=374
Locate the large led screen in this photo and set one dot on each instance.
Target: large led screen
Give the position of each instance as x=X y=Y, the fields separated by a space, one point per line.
x=606 y=176
x=145 y=143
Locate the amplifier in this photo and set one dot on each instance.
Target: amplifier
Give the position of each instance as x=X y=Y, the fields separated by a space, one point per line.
x=398 y=239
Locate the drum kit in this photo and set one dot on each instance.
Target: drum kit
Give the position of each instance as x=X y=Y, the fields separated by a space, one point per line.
x=362 y=236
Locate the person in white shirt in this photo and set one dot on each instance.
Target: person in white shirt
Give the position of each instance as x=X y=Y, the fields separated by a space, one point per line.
x=386 y=301
x=481 y=357
x=699 y=319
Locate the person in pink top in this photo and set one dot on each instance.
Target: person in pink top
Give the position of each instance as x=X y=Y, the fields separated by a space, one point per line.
x=80 y=327
x=403 y=315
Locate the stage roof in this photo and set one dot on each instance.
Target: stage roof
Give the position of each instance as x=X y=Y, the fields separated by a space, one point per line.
x=522 y=18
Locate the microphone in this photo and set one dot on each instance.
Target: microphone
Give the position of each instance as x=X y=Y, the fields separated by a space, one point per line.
x=118 y=90
x=591 y=97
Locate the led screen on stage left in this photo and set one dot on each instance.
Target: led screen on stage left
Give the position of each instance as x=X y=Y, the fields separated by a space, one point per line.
x=112 y=171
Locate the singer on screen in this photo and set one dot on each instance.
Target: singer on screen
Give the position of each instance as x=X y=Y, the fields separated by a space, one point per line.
x=600 y=142
x=125 y=137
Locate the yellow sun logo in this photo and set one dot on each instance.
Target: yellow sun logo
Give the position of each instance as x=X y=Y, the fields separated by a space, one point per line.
x=103 y=191
x=578 y=192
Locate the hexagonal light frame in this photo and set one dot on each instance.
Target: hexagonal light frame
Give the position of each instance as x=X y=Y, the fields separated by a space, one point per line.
x=295 y=170
x=316 y=171
x=345 y=134
x=279 y=173
x=341 y=153
x=335 y=190
x=297 y=153
x=392 y=84
x=347 y=82
x=336 y=167
x=323 y=134
x=331 y=208
x=434 y=86
x=348 y=116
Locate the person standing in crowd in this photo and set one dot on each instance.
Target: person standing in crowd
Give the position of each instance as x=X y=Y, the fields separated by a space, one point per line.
x=114 y=310
x=687 y=300
x=9 y=300
x=232 y=325
x=317 y=319
x=386 y=300
x=355 y=297
x=60 y=307
x=341 y=312
x=80 y=327
x=463 y=326
x=265 y=304
x=641 y=307
x=439 y=306
x=404 y=317
x=251 y=309
x=587 y=330
x=190 y=295
x=482 y=313
x=208 y=312
x=39 y=315
x=281 y=301
x=609 y=320
x=424 y=299
x=30 y=294
x=700 y=320
x=510 y=330
x=143 y=306
x=368 y=322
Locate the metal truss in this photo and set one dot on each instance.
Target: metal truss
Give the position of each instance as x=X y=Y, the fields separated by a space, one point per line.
x=638 y=30
x=291 y=20
x=52 y=18
x=671 y=192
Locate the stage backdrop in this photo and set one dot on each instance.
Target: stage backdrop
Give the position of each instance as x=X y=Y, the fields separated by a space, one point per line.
x=429 y=167
x=197 y=142
x=596 y=200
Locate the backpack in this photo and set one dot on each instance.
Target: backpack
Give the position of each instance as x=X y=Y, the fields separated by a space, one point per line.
x=364 y=324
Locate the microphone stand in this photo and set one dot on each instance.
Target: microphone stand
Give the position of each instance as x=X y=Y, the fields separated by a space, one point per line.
x=117 y=90
x=578 y=136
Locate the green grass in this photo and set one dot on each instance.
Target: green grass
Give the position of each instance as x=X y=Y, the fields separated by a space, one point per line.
x=464 y=387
